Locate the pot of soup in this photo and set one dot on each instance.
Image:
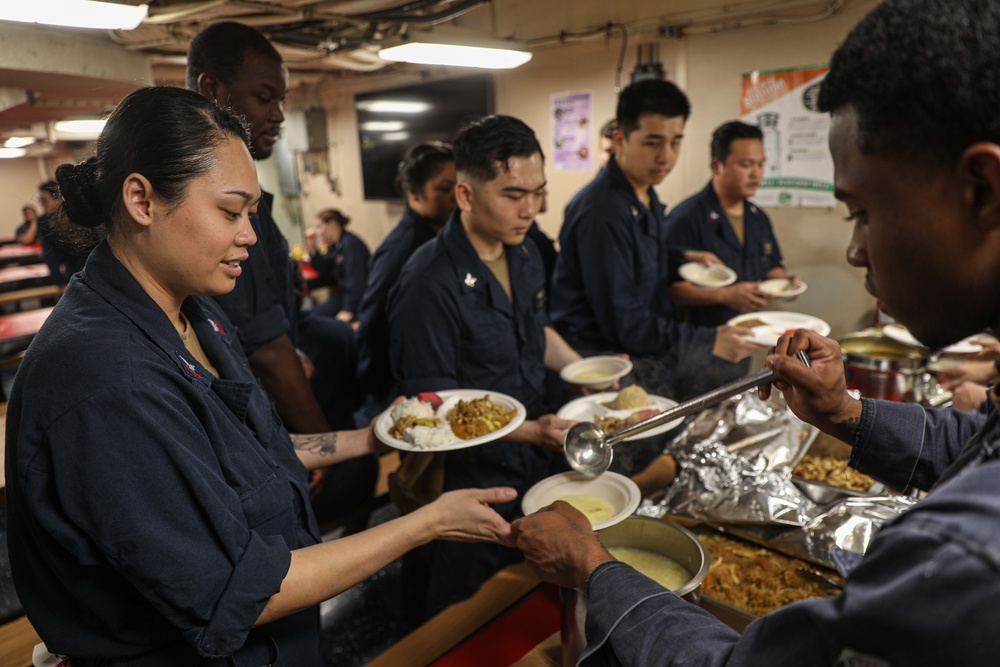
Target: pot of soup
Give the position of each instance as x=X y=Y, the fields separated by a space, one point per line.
x=879 y=367
x=660 y=549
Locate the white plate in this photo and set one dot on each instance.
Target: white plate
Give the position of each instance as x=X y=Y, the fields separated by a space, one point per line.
x=777 y=322
x=778 y=288
x=451 y=396
x=708 y=277
x=611 y=369
x=585 y=408
x=618 y=490
x=901 y=334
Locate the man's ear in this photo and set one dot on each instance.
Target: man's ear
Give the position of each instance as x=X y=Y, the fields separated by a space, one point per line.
x=979 y=169
x=617 y=141
x=137 y=196
x=716 y=165
x=464 y=194
x=209 y=86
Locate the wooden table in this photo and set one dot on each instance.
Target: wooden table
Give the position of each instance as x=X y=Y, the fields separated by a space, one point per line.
x=18 y=277
x=20 y=254
x=502 y=623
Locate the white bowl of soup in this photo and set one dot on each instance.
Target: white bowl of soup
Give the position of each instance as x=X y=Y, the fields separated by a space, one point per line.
x=596 y=372
x=604 y=500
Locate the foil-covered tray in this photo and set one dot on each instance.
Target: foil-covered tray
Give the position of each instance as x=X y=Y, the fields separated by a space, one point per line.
x=735 y=465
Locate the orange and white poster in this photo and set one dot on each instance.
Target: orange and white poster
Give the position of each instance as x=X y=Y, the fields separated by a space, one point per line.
x=783 y=103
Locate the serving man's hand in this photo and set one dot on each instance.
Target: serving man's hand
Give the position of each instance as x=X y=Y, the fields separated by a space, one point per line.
x=817 y=394
x=559 y=545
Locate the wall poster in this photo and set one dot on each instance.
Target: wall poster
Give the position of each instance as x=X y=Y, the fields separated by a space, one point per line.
x=571 y=135
x=799 y=169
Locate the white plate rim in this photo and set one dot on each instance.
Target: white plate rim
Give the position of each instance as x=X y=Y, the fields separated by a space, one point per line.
x=621 y=481
x=685 y=268
x=592 y=402
x=384 y=422
x=901 y=334
x=779 y=294
x=768 y=335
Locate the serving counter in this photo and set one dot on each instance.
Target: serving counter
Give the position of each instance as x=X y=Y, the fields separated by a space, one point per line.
x=510 y=620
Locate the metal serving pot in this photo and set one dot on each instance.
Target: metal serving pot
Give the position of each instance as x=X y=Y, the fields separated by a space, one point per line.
x=656 y=535
x=880 y=367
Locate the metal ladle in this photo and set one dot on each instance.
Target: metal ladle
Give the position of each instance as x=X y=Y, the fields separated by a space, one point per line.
x=589 y=449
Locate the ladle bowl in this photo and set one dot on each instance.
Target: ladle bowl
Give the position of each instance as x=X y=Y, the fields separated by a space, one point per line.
x=589 y=450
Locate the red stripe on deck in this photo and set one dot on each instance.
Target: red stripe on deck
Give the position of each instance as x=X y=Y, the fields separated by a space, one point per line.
x=512 y=635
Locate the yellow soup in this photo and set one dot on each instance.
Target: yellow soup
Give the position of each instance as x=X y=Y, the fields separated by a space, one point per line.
x=583 y=376
x=663 y=570
x=595 y=509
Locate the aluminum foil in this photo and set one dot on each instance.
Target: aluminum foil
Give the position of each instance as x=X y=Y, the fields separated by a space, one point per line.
x=735 y=474
x=735 y=465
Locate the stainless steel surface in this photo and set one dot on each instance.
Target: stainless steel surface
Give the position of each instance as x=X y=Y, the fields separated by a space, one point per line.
x=656 y=535
x=880 y=367
x=589 y=449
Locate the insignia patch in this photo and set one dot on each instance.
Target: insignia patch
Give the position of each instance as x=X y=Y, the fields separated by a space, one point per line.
x=470 y=280
x=191 y=369
x=540 y=298
x=712 y=215
x=217 y=326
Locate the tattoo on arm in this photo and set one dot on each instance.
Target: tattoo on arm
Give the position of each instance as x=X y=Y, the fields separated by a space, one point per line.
x=847 y=430
x=322 y=444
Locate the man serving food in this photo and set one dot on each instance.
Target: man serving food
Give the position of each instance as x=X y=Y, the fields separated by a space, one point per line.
x=917 y=162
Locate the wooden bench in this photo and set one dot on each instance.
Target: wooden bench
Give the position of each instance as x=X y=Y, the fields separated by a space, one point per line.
x=17 y=641
x=22 y=295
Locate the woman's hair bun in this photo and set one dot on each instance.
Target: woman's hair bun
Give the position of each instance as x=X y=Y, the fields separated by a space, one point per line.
x=78 y=185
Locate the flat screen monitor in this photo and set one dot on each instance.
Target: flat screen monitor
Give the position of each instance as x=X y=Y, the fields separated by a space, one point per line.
x=390 y=121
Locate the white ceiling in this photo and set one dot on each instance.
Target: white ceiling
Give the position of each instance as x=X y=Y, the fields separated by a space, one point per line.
x=48 y=74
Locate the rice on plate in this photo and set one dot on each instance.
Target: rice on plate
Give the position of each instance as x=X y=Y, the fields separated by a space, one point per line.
x=414 y=421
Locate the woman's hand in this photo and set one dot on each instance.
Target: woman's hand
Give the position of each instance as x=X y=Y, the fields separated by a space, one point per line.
x=466 y=516
x=817 y=394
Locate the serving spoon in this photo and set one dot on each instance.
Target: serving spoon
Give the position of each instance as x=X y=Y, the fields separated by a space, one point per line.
x=589 y=449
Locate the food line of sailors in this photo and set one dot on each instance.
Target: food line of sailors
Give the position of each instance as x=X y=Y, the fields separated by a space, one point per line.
x=160 y=509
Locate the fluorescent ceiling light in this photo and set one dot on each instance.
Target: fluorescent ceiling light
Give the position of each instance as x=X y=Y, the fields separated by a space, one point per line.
x=90 y=128
x=19 y=142
x=12 y=152
x=395 y=136
x=383 y=125
x=392 y=106
x=441 y=49
x=74 y=13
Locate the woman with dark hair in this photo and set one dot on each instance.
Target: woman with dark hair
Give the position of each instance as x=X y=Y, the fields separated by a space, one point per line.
x=158 y=510
x=341 y=257
x=427 y=179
